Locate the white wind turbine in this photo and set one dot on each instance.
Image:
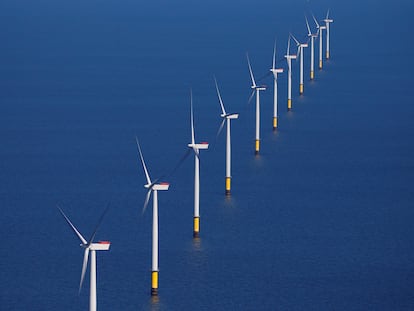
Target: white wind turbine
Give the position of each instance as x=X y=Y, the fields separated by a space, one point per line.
x=153 y=187
x=275 y=72
x=226 y=117
x=312 y=37
x=320 y=31
x=300 y=46
x=289 y=58
x=327 y=21
x=196 y=147
x=256 y=89
x=91 y=247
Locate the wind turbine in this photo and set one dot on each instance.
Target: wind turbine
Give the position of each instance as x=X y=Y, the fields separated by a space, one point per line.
x=91 y=247
x=300 y=46
x=196 y=148
x=327 y=21
x=153 y=187
x=320 y=31
x=256 y=89
x=312 y=37
x=226 y=117
x=275 y=72
x=289 y=58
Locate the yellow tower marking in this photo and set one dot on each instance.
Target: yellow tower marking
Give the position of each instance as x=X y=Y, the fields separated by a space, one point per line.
x=154 y=283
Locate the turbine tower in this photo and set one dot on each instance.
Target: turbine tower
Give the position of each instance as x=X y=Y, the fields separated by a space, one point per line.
x=91 y=247
x=300 y=46
x=256 y=89
x=196 y=147
x=327 y=21
x=275 y=72
x=289 y=58
x=227 y=117
x=312 y=37
x=320 y=31
x=153 y=187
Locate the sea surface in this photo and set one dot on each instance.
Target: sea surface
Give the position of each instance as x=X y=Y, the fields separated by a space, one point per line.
x=322 y=219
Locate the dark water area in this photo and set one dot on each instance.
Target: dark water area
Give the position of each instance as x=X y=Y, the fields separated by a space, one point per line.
x=320 y=220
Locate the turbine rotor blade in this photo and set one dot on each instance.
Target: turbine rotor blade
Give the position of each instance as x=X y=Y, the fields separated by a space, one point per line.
x=192 y=117
x=72 y=226
x=327 y=14
x=197 y=153
x=219 y=96
x=251 y=96
x=307 y=26
x=316 y=22
x=274 y=56
x=297 y=42
x=84 y=266
x=183 y=158
x=250 y=70
x=147 y=198
x=221 y=127
x=143 y=162
x=288 y=46
x=99 y=223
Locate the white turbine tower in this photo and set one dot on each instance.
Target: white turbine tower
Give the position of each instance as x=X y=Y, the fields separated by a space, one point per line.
x=275 y=72
x=226 y=117
x=91 y=247
x=256 y=89
x=327 y=21
x=300 y=46
x=320 y=31
x=312 y=37
x=153 y=187
x=196 y=147
x=289 y=58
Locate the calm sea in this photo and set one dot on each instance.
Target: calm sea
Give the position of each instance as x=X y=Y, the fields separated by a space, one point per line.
x=322 y=219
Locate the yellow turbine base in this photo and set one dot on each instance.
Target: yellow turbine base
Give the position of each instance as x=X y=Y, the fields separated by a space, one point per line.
x=327 y=54
x=228 y=185
x=312 y=75
x=274 y=122
x=301 y=88
x=257 y=147
x=154 y=283
x=289 y=104
x=320 y=64
x=196 y=227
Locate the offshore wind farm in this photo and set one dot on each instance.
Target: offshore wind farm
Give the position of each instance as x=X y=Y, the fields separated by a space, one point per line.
x=318 y=217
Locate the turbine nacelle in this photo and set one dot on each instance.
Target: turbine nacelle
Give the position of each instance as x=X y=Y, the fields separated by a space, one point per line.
x=303 y=45
x=328 y=20
x=259 y=88
x=291 y=56
x=158 y=186
x=100 y=246
x=230 y=115
x=277 y=70
x=202 y=145
x=161 y=186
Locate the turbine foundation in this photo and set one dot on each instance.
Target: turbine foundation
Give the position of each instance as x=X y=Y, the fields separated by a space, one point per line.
x=301 y=88
x=289 y=104
x=257 y=146
x=196 y=232
x=320 y=64
x=327 y=54
x=228 y=185
x=312 y=76
x=274 y=123
x=154 y=283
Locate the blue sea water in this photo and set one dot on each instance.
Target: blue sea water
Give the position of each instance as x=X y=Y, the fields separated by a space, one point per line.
x=320 y=220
